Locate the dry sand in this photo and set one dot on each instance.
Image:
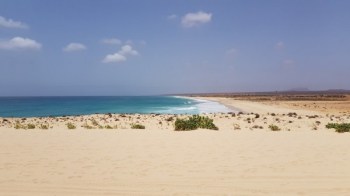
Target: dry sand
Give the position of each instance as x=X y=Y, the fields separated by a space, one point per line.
x=160 y=161
x=307 y=107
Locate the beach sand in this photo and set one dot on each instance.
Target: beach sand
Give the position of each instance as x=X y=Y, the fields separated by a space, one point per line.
x=304 y=158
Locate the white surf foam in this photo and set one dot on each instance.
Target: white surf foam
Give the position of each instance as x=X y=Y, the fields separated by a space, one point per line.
x=195 y=106
x=205 y=106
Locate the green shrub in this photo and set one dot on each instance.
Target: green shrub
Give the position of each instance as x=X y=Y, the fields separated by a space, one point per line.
x=292 y=114
x=137 y=126
x=86 y=126
x=18 y=126
x=43 y=126
x=169 y=119
x=195 y=122
x=108 y=127
x=94 y=122
x=274 y=128
x=31 y=126
x=71 y=125
x=257 y=127
x=185 y=125
x=339 y=127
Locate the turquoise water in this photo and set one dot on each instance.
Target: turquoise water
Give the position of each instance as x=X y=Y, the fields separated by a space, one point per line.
x=60 y=106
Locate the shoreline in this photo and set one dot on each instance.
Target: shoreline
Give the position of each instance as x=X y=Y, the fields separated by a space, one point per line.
x=219 y=107
x=103 y=154
x=256 y=116
x=197 y=106
x=249 y=115
x=226 y=109
x=213 y=99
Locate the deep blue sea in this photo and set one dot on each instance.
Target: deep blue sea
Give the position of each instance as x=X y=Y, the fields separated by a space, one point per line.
x=60 y=106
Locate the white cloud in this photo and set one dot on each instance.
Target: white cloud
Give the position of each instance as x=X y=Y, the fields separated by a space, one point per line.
x=9 y=23
x=114 y=58
x=127 y=49
x=172 y=17
x=112 y=41
x=20 y=43
x=120 y=56
x=195 y=19
x=279 y=45
x=74 y=47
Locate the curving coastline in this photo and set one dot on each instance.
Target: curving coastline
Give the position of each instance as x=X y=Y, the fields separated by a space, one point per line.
x=103 y=154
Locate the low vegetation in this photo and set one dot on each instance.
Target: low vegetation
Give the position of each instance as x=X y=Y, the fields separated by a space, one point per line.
x=169 y=119
x=195 y=122
x=71 y=125
x=94 y=122
x=18 y=125
x=236 y=126
x=44 y=126
x=31 y=126
x=257 y=127
x=87 y=126
x=137 y=126
x=292 y=114
x=339 y=127
x=274 y=127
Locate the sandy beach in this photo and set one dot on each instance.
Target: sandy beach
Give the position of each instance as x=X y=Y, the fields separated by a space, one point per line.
x=244 y=157
x=178 y=98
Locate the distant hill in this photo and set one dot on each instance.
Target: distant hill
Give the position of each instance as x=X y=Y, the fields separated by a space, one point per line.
x=291 y=92
x=301 y=89
x=338 y=90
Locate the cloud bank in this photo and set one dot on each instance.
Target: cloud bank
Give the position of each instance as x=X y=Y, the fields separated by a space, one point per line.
x=196 y=19
x=20 y=43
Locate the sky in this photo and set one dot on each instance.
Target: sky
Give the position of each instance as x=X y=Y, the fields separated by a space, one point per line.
x=130 y=47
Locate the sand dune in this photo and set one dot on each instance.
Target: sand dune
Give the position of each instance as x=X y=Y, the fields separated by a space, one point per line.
x=201 y=162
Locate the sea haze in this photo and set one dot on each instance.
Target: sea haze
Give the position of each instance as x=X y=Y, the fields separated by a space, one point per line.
x=60 y=106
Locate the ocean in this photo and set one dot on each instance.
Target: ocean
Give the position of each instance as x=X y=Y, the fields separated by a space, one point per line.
x=61 y=106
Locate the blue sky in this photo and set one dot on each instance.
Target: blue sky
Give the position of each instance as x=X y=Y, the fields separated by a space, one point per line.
x=157 y=47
